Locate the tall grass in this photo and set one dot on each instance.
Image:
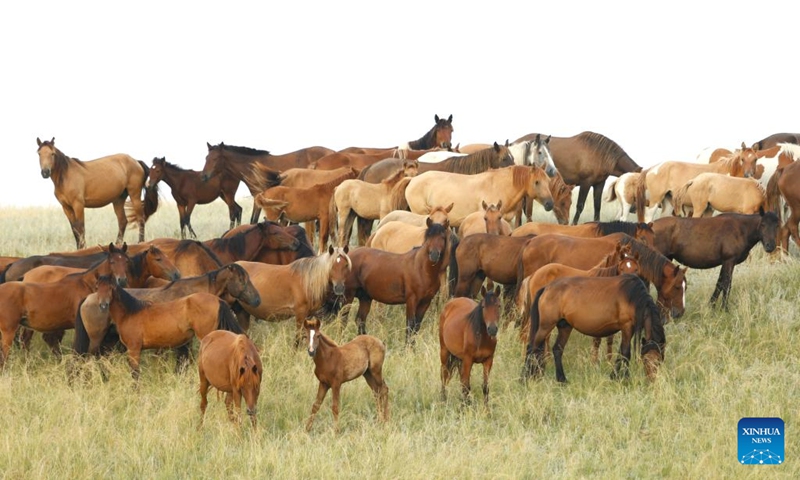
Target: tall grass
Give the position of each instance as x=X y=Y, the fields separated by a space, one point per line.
x=720 y=366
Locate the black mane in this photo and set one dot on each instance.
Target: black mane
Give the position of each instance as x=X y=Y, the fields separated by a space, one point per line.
x=241 y=150
x=618 y=226
x=606 y=149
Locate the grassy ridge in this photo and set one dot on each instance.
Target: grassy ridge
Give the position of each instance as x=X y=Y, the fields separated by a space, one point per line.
x=720 y=366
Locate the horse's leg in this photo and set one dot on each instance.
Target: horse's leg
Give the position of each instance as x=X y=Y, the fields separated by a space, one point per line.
x=597 y=191
x=53 y=340
x=189 y=210
x=7 y=335
x=182 y=357
x=182 y=219
x=583 y=192
x=324 y=232
x=444 y=357
x=336 y=388
x=466 y=370
x=364 y=230
x=596 y=349
x=624 y=359
x=364 y=306
x=487 y=368
x=723 y=283
x=422 y=307
x=25 y=335
x=256 y=212
x=122 y=219
x=609 y=347
x=379 y=390
x=321 y=391
x=73 y=223
x=236 y=396
x=229 y=406
x=203 y=395
x=564 y=329
x=134 y=354
x=534 y=355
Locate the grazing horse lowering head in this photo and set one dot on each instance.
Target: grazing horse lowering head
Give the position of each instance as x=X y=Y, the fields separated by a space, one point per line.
x=47 y=156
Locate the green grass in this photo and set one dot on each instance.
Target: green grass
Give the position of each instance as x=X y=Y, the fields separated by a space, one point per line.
x=720 y=366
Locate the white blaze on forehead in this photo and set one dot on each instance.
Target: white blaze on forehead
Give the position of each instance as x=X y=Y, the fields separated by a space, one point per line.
x=628 y=264
x=311 y=334
x=338 y=259
x=683 y=284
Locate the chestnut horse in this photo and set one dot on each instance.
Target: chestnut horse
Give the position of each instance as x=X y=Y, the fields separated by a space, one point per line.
x=586 y=160
x=304 y=177
x=95 y=184
x=484 y=255
x=335 y=365
x=724 y=240
x=640 y=231
x=188 y=189
x=489 y=219
x=598 y=307
x=231 y=364
x=708 y=192
x=280 y=257
x=784 y=184
x=238 y=163
x=468 y=335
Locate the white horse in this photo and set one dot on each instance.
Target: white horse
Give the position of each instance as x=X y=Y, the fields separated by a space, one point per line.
x=534 y=152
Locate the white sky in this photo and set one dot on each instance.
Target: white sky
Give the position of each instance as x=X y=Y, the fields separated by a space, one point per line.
x=664 y=80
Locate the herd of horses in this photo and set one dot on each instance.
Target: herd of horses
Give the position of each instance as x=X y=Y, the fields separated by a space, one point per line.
x=451 y=228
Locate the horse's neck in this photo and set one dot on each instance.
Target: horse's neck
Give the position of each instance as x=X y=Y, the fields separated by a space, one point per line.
x=218 y=283
x=725 y=166
x=599 y=271
x=326 y=350
x=424 y=142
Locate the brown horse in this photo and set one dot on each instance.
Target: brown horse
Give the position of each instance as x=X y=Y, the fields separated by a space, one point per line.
x=238 y=163
x=188 y=189
x=484 y=255
x=640 y=231
x=298 y=204
x=305 y=178
x=598 y=307
x=724 y=240
x=297 y=289
x=335 y=365
x=786 y=185
x=231 y=364
x=95 y=184
x=144 y=325
x=775 y=139
x=280 y=257
x=708 y=192
x=467 y=335
x=411 y=278
x=586 y=160
x=489 y=219
x=439 y=136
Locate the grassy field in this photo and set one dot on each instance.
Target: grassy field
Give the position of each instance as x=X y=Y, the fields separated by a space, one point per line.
x=720 y=366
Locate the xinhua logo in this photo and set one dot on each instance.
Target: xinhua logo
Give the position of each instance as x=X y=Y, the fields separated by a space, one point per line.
x=761 y=441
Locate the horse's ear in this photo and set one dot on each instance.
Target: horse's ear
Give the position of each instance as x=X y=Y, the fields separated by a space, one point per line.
x=449 y=207
x=547 y=140
x=483 y=205
x=483 y=290
x=428 y=222
x=500 y=204
x=537 y=139
x=755 y=147
x=743 y=146
x=436 y=118
x=111 y=248
x=209 y=146
x=457 y=148
x=497 y=291
x=38 y=142
x=450 y=118
x=506 y=143
x=331 y=249
x=53 y=140
x=124 y=247
x=496 y=147
x=346 y=249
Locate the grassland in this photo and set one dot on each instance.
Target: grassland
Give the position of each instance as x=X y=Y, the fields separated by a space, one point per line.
x=720 y=366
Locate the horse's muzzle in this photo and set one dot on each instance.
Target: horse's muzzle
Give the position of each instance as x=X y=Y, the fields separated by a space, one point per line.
x=548 y=205
x=769 y=247
x=492 y=329
x=253 y=299
x=434 y=255
x=311 y=353
x=551 y=172
x=338 y=289
x=45 y=173
x=175 y=276
x=122 y=282
x=103 y=306
x=676 y=313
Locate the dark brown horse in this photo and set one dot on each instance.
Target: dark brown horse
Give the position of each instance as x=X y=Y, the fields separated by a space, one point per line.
x=440 y=135
x=238 y=163
x=188 y=189
x=785 y=184
x=485 y=255
x=775 y=139
x=280 y=257
x=724 y=240
x=586 y=160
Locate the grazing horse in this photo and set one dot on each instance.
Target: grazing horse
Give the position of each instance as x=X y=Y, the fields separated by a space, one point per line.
x=657 y=185
x=299 y=288
x=484 y=255
x=238 y=163
x=188 y=189
x=411 y=278
x=497 y=156
x=785 y=185
x=586 y=160
x=707 y=192
x=468 y=335
x=144 y=325
x=508 y=185
x=298 y=204
x=231 y=364
x=709 y=242
x=335 y=365
x=489 y=219
x=95 y=184
x=379 y=171
x=775 y=139
x=598 y=307
x=623 y=190
x=280 y=257
x=356 y=198
x=640 y=231
x=439 y=136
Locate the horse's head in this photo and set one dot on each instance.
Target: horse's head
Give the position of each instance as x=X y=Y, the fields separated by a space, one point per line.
x=160 y=265
x=156 y=172
x=493 y=217
x=672 y=293
x=214 y=161
x=652 y=360
x=248 y=381
x=47 y=156
x=562 y=198
x=443 y=131
x=239 y=286
x=645 y=234
x=340 y=268
x=490 y=304
x=104 y=291
x=540 y=155
x=118 y=262
x=501 y=156
x=538 y=187
x=312 y=326
x=277 y=238
x=436 y=235
x=439 y=214
x=768 y=230
x=749 y=158
x=410 y=168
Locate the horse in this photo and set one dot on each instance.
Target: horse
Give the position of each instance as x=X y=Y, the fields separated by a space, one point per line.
x=379 y=171
x=467 y=335
x=489 y=219
x=305 y=177
x=335 y=365
x=598 y=307
x=784 y=186
x=439 y=136
x=299 y=288
x=188 y=189
x=400 y=237
x=238 y=163
x=298 y=204
x=707 y=192
x=775 y=139
x=724 y=240
x=623 y=190
x=279 y=257
x=144 y=325
x=95 y=184
x=586 y=160
x=356 y=198
x=484 y=255
x=498 y=156
x=508 y=185
x=776 y=157
x=231 y=364
x=640 y=231
x=658 y=184
x=411 y=218
x=411 y=278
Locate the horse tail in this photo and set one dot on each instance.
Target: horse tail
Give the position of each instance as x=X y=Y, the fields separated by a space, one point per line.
x=80 y=344
x=263 y=177
x=773 y=195
x=333 y=219
x=226 y=320
x=398 y=196
x=641 y=196
x=3 y=273
x=679 y=198
x=611 y=194
x=533 y=323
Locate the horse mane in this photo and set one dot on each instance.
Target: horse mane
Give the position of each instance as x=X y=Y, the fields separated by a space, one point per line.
x=327 y=340
x=617 y=226
x=790 y=149
x=263 y=177
x=130 y=303
x=651 y=262
x=137 y=263
x=521 y=176
x=61 y=163
x=304 y=250
x=475 y=319
x=646 y=310
x=391 y=181
x=602 y=270
x=234 y=244
x=253 y=152
x=172 y=166
x=335 y=182
x=608 y=151
x=314 y=272
x=435 y=229
x=471 y=164
x=429 y=137
x=184 y=246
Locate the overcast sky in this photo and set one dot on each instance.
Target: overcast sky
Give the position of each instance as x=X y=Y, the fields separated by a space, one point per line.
x=664 y=80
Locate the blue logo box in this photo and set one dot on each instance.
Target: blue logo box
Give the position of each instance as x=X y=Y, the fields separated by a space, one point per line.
x=761 y=441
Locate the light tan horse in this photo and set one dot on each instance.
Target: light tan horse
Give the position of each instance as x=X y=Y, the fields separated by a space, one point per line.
x=508 y=185
x=96 y=183
x=473 y=147
x=305 y=177
x=747 y=154
x=400 y=237
x=411 y=218
x=356 y=198
x=657 y=184
x=489 y=219
x=713 y=191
